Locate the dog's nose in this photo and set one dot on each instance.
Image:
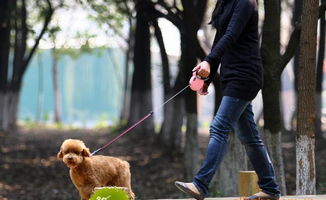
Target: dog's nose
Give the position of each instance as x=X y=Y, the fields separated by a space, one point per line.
x=69 y=158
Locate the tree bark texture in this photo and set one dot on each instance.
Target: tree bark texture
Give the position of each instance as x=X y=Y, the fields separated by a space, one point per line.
x=306 y=172
x=295 y=20
x=305 y=140
x=273 y=145
x=9 y=107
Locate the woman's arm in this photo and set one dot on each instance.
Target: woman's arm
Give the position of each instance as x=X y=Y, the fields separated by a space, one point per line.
x=242 y=12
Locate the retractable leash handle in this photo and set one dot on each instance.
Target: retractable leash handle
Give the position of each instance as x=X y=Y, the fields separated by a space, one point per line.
x=196 y=82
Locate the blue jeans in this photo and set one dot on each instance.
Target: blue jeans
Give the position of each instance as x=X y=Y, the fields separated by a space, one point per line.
x=234 y=112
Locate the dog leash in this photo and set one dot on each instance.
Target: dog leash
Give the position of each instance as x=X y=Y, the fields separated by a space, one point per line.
x=139 y=122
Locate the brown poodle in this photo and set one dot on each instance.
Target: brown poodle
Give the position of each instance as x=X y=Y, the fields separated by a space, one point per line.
x=88 y=172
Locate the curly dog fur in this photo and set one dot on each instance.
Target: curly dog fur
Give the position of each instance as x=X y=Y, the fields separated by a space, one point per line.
x=88 y=172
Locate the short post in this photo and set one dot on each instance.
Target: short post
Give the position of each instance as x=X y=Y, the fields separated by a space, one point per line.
x=248 y=183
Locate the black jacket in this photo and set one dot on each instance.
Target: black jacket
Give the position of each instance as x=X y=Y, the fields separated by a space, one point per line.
x=236 y=48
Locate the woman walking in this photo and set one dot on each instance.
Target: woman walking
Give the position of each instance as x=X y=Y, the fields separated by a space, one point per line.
x=236 y=48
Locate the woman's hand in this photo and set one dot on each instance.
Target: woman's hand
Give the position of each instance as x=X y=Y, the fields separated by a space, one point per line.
x=203 y=69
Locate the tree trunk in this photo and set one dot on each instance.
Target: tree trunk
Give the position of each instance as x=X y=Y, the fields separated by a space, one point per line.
x=141 y=94
x=9 y=106
x=3 y=108
x=270 y=51
x=4 y=58
x=305 y=140
x=56 y=89
x=296 y=19
x=306 y=172
x=4 y=43
x=275 y=150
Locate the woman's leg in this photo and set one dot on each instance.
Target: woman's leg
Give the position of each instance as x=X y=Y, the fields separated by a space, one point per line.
x=222 y=124
x=257 y=153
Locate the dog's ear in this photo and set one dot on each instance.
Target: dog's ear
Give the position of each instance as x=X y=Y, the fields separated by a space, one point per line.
x=60 y=155
x=86 y=152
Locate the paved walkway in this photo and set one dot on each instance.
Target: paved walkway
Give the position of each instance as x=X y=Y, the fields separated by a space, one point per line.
x=305 y=197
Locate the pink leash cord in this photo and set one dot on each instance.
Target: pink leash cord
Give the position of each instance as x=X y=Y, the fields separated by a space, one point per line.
x=137 y=123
